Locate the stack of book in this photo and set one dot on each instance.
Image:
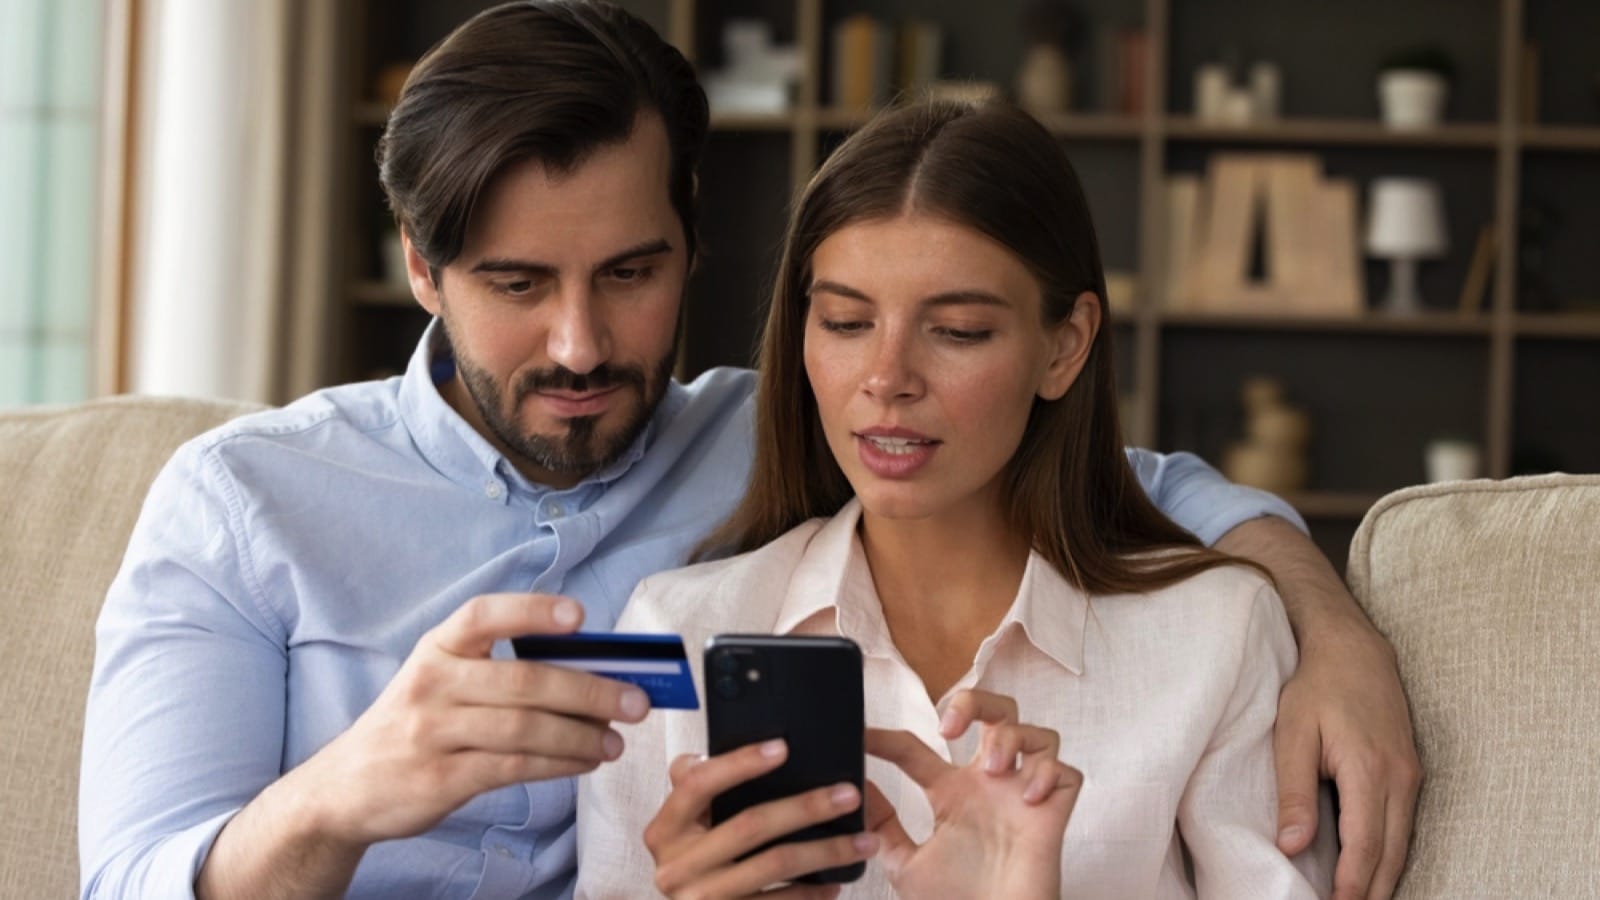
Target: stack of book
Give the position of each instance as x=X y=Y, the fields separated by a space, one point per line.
x=1304 y=224
x=872 y=60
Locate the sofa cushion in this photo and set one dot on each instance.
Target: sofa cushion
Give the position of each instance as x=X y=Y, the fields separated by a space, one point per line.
x=74 y=479
x=1488 y=591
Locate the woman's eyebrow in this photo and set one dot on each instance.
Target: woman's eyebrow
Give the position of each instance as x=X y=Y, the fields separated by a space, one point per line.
x=944 y=298
x=834 y=287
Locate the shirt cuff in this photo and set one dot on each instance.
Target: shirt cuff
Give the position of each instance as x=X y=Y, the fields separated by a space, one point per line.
x=1240 y=506
x=168 y=869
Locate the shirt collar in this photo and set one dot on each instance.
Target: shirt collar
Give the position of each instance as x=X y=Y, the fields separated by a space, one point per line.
x=449 y=442
x=833 y=576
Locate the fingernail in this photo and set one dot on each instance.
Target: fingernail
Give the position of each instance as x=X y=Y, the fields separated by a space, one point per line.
x=1034 y=792
x=634 y=704
x=773 y=749
x=611 y=744
x=567 y=613
x=1291 y=834
x=997 y=762
x=843 y=795
x=947 y=722
x=866 y=843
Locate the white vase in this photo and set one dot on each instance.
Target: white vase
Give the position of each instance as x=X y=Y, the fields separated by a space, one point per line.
x=1412 y=98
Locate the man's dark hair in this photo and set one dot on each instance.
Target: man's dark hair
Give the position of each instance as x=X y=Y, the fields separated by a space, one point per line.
x=550 y=80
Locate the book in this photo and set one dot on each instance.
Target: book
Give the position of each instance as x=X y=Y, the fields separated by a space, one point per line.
x=1291 y=236
x=1475 y=287
x=918 y=52
x=1132 y=58
x=1183 y=211
x=860 y=71
x=1217 y=278
x=1343 y=289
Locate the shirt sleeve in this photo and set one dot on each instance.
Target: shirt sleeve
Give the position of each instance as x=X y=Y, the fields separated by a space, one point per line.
x=1199 y=499
x=617 y=800
x=1228 y=814
x=185 y=717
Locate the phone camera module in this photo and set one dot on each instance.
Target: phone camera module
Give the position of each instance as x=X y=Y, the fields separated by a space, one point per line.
x=727 y=687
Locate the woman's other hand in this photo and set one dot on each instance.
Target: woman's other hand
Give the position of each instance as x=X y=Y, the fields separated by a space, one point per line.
x=998 y=820
x=694 y=860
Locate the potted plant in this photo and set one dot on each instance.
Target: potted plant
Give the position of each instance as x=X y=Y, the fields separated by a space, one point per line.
x=1413 y=87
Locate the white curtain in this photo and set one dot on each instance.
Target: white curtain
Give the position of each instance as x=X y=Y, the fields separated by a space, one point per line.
x=236 y=138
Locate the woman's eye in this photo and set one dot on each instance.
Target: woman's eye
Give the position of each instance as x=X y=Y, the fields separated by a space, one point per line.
x=841 y=326
x=965 y=335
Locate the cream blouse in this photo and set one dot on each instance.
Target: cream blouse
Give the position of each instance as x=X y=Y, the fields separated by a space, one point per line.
x=1165 y=701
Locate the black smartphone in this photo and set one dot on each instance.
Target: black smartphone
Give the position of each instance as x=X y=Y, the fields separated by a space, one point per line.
x=806 y=690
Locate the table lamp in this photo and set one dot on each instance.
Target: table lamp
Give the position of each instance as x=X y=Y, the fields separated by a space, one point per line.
x=1405 y=224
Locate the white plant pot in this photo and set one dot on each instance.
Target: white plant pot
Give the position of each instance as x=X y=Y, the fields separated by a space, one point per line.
x=1412 y=98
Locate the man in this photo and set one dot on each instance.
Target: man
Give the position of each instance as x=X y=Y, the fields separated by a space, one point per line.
x=302 y=686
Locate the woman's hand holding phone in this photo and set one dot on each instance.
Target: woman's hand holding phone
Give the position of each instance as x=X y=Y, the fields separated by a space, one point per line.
x=696 y=860
x=999 y=820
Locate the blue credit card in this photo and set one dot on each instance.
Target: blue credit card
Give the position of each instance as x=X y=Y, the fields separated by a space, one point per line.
x=655 y=663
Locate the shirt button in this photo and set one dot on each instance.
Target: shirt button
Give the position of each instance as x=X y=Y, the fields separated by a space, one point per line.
x=493 y=490
x=556 y=511
x=503 y=851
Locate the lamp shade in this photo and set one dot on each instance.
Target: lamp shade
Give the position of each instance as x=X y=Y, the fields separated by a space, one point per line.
x=1406 y=219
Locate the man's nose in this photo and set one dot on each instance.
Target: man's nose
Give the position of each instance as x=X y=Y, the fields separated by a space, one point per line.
x=579 y=339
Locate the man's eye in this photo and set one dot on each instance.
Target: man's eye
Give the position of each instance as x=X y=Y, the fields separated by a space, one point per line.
x=630 y=274
x=515 y=288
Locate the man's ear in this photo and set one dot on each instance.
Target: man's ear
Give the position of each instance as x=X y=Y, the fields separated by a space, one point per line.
x=1070 y=342
x=420 y=274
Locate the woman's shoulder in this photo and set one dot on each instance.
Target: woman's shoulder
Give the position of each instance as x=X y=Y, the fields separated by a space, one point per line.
x=1224 y=599
x=738 y=592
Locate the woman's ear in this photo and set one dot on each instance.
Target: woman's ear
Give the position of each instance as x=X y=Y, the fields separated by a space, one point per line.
x=420 y=274
x=1070 y=342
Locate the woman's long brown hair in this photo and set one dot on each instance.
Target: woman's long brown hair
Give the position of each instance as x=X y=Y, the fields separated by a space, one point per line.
x=1069 y=485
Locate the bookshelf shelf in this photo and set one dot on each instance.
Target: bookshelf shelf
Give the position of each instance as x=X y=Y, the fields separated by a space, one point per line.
x=1561 y=137
x=1333 y=504
x=782 y=122
x=380 y=293
x=1574 y=326
x=1353 y=132
x=1431 y=324
x=370 y=113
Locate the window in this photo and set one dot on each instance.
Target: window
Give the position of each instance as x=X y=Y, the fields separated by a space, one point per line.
x=50 y=135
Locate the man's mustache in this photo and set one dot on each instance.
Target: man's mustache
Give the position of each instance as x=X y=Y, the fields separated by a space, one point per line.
x=559 y=378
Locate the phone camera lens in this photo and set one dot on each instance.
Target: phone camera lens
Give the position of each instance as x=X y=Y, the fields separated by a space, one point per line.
x=725 y=664
x=726 y=686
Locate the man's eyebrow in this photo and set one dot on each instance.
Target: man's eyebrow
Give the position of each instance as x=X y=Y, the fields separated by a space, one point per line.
x=945 y=298
x=502 y=264
x=507 y=264
x=648 y=248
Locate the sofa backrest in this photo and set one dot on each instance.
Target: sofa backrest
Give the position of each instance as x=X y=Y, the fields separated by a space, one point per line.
x=74 y=478
x=1490 y=593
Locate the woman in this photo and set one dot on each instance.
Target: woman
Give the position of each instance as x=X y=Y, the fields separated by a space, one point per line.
x=939 y=476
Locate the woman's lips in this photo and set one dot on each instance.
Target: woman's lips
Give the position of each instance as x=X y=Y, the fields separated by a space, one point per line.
x=894 y=452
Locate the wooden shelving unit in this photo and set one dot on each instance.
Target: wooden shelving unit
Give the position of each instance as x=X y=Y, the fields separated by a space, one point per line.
x=1377 y=387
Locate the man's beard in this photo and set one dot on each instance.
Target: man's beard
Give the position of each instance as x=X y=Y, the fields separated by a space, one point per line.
x=584 y=449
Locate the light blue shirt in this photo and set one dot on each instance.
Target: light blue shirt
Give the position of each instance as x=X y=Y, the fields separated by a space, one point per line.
x=285 y=564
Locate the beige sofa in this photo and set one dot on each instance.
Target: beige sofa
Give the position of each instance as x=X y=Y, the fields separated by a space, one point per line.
x=1486 y=588
x=74 y=478
x=1490 y=591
